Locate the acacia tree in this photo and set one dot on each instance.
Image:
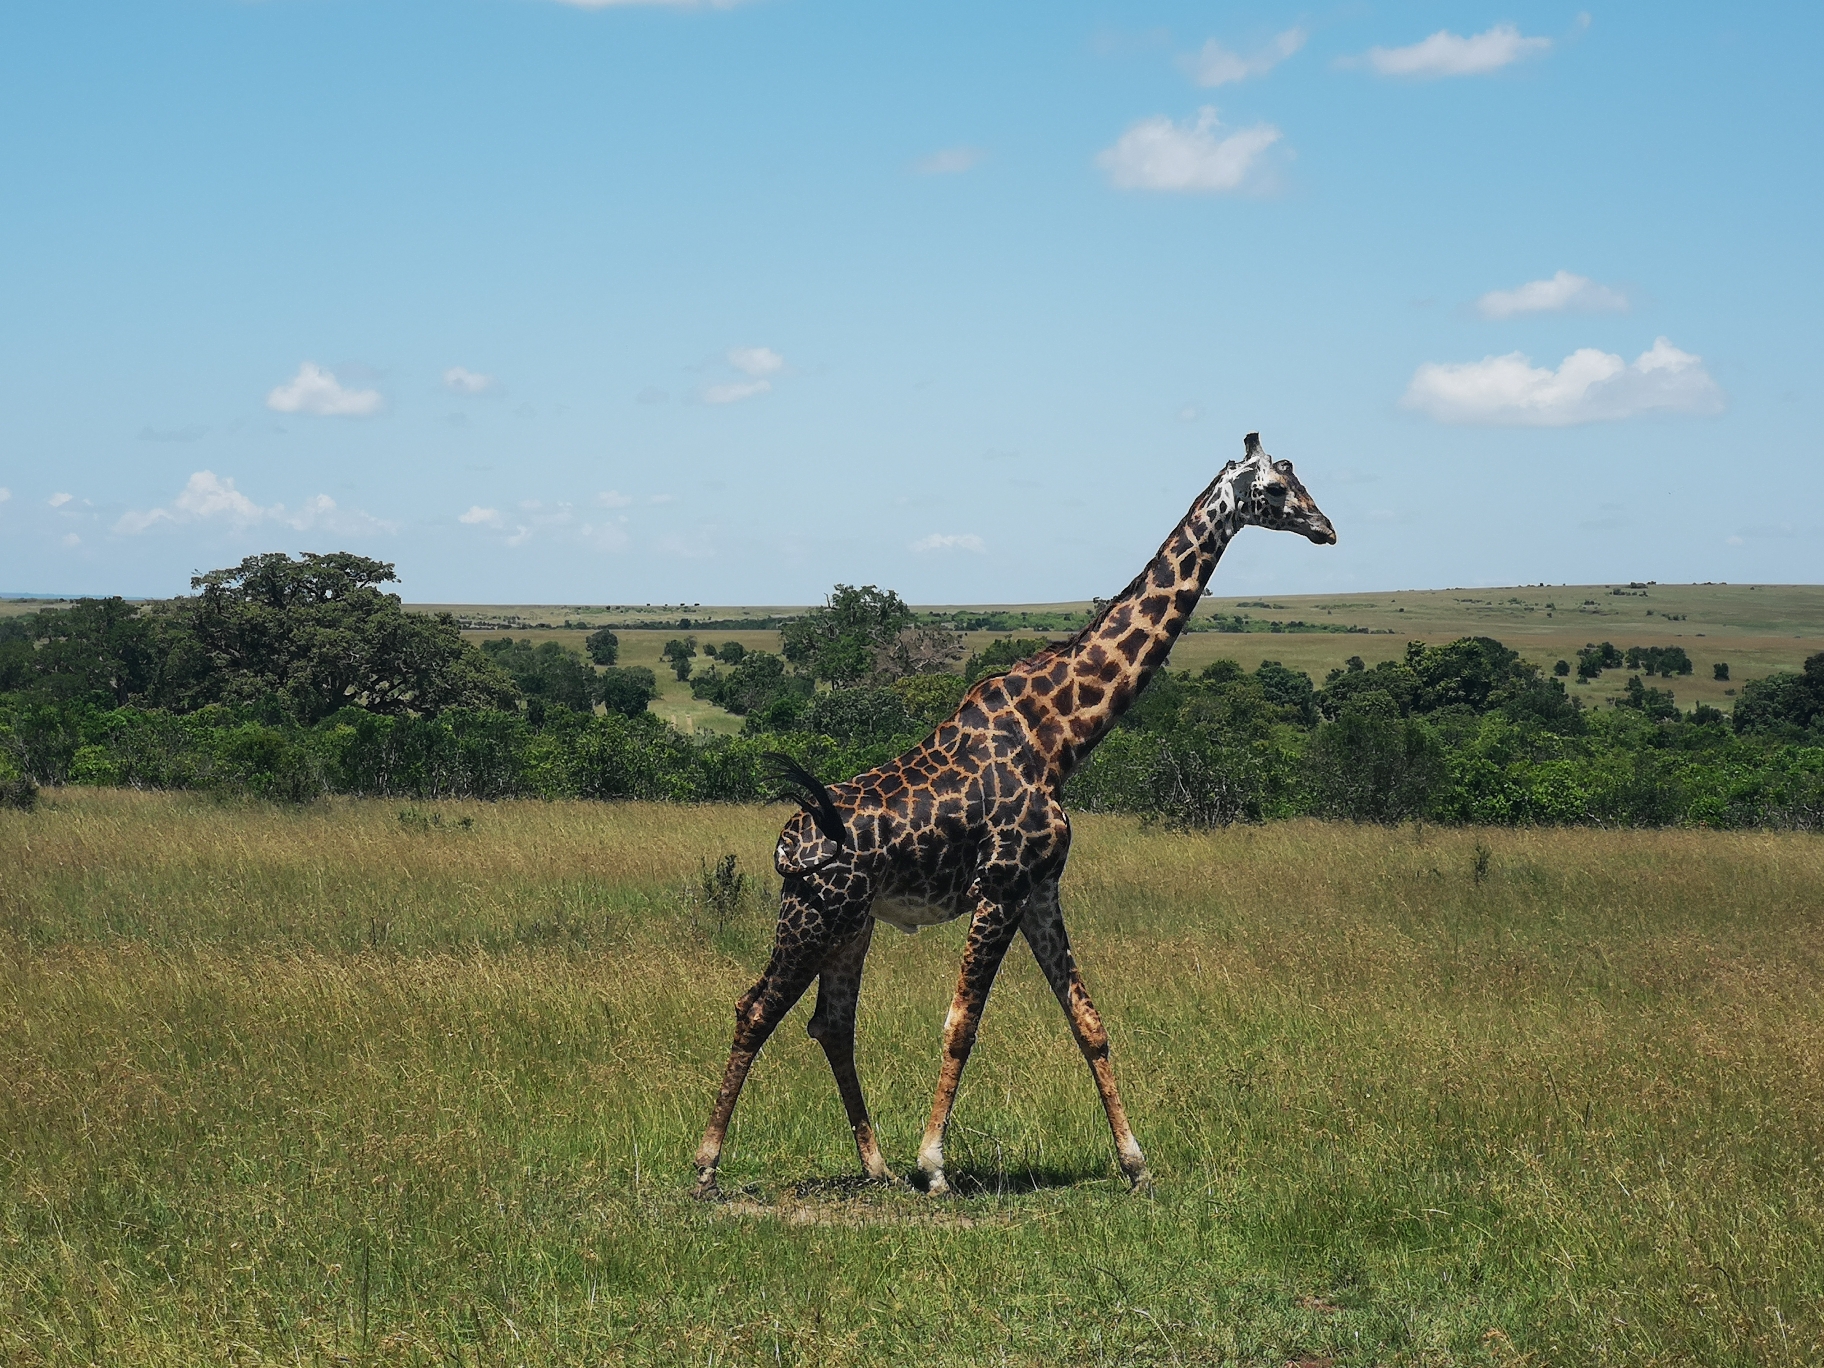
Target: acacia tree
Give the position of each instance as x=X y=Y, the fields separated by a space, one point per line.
x=318 y=634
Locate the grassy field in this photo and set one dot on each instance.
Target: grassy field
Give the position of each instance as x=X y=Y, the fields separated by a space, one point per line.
x=1754 y=628
x=361 y=1084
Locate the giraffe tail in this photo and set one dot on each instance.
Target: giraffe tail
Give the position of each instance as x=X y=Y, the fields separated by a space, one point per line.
x=814 y=797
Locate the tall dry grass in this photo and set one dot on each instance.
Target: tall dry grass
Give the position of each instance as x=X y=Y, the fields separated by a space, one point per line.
x=330 y=1084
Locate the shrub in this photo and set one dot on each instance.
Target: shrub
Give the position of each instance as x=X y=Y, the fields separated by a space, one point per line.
x=931 y=698
x=1001 y=655
x=1373 y=767
x=604 y=646
x=626 y=689
x=677 y=653
x=1783 y=704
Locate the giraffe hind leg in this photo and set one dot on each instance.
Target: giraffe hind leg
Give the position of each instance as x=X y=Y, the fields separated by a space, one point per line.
x=798 y=953
x=1043 y=927
x=832 y=1026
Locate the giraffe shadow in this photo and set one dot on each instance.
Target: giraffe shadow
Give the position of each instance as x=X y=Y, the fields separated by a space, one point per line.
x=987 y=1180
x=966 y=1181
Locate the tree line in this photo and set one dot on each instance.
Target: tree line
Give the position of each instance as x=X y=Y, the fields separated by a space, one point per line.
x=292 y=678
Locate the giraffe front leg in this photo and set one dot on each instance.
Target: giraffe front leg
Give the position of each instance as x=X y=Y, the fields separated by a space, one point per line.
x=1044 y=930
x=989 y=936
x=832 y=1026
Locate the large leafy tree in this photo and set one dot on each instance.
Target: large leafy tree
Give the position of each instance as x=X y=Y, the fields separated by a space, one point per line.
x=99 y=650
x=317 y=634
x=838 y=642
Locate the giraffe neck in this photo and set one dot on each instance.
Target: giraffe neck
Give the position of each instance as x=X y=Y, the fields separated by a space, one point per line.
x=1074 y=694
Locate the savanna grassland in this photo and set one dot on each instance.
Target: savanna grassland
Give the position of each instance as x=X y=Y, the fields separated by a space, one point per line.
x=356 y=1083
x=1755 y=628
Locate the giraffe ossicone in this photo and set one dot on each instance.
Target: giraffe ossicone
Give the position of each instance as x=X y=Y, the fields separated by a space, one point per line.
x=970 y=822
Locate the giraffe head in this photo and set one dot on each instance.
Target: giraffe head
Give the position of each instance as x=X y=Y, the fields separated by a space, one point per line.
x=1264 y=492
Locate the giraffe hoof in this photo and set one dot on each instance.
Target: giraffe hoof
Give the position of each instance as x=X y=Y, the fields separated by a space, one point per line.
x=1140 y=1184
x=706 y=1189
x=935 y=1186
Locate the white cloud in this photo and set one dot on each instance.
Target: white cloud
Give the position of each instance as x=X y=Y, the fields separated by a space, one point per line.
x=735 y=393
x=950 y=541
x=59 y=500
x=949 y=161
x=540 y=521
x=1215 y=65
x=756 y=360
x=208 y=498
x=315 y=390
x=5 y=493
x=1563 y=291
x=1590 y=386
x=613 y=498
x=71 y=539
x=462 y=380
x=1445 y=54
x=1158 y=154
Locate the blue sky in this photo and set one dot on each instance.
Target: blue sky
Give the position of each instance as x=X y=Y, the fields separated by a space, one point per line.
x=633 y=303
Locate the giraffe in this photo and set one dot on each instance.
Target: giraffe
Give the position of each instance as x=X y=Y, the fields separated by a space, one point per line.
x=969 y=822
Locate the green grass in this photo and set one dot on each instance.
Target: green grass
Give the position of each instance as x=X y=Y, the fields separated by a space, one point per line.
x=325 y=1085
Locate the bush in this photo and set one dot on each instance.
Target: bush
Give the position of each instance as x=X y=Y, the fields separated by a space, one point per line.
x=1664 y=660
x=931 y=698
x=549 y=674
x=678 y=653
x=1783 y=704
x=1374 y=767
x=603 y=646
x=1592 y=660
x=862 y=716
x=757 y=680
x=626 y=689
x=1001 y=655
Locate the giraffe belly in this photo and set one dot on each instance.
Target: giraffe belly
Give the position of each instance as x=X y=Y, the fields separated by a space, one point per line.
x=909 y=911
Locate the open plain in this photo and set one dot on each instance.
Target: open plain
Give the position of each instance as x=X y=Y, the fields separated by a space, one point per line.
x=1755 y=629
x=372 y=1084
